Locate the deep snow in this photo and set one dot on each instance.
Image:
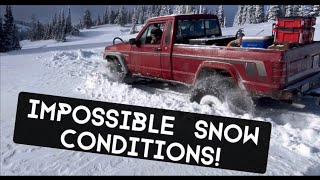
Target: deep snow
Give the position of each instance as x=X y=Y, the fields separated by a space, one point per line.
x=75 y=69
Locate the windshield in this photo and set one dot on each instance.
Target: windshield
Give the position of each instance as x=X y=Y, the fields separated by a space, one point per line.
x=199 y=28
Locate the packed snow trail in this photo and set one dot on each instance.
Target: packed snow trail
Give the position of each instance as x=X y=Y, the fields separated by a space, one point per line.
x=81 y=73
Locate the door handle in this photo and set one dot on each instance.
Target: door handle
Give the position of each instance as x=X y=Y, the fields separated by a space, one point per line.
x=157 y=49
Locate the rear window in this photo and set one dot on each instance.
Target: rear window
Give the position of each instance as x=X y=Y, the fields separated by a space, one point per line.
x=199 y=28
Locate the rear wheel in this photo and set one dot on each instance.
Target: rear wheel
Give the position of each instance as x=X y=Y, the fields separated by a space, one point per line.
x=217 y=90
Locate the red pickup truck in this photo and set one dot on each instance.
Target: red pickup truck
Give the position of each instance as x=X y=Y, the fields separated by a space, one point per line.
x=193 y=51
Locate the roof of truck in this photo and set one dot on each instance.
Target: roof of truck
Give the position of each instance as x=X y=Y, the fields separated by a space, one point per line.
x=183 y=16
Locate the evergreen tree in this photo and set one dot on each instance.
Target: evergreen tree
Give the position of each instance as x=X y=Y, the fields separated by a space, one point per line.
x=165 y=10
x=221 y=16
x=301 y=10
x=63 y=27
x=87 y=20
x=316 y=10
x=289 y=11
x=98 y=21
x=189 y=9
x=283 y=9
x=178 y=9
x=244 y=14
x=68 y=22
x=200 y=9
x=295 y=10
x=33 y=32
x=2 y=45
x=259 y=14
x=113 y=16
x=10 y=31
x=238 y=17
x=16 y=39
x=47 y=31
x=274 y=12
x=308 y=10
x=134 y=28
x=110 y=17
x=204 y=10
x=215 y=11
x=267 y=13
x=250 y=15
x=121 y=18
x=40 y=31
x=105 y=19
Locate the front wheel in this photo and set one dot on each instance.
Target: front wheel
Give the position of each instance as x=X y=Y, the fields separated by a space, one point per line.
x=116 y=73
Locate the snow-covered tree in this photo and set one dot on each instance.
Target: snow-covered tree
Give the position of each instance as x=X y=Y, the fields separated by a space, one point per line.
x=215 y=11
x=189 y=9
x=225 y=22
x=250 y=15
x=142 y=13
x=87 y=20
x=60 y=29
x=308 y=10
x=47 y=31
x=295 y=10
x=316 y=10
x=259 y=14
x=98 y=22
x=283 y=9
x=105 y=18
x=121 y=18
x=274 y=12
x=178 y=9
x=244 y=14
x=68 y=22
x=238 y=17
x=2 y=45
x=221 y=16
x=15 y=41
x=165 y=10
x=202 y=9
x=289 y=11
x=10 y=31
x=113 y=16
x=301 y=10
x=134 y=22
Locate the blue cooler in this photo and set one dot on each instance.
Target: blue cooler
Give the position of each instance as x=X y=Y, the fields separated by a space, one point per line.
x=256 y=41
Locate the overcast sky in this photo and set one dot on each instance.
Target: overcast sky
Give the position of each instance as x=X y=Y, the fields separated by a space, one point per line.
x=45 y=12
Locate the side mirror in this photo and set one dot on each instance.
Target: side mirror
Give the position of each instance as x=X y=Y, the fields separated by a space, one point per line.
x=138 y=43
x=132 y=41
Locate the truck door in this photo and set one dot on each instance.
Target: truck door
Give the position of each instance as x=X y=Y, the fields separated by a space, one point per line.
x=146 y=57
x=166 y=52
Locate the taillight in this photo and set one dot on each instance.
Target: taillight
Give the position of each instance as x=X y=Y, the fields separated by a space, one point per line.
x=279 y=72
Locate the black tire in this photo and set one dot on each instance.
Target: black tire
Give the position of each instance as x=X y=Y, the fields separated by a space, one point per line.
x=116 y=72
x=225 y=90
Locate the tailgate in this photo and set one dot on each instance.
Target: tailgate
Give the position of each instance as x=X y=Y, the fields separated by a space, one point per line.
x=302 y=62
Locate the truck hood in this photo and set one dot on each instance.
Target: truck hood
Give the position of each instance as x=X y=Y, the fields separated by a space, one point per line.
x=118 y=47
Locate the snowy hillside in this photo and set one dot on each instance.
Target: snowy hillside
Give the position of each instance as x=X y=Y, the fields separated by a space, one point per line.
x=75 y=69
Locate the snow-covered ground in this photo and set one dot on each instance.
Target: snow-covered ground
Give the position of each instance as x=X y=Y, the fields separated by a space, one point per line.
x=75 y=69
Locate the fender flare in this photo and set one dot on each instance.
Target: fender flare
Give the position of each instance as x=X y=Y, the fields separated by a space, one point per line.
x=223 y=66
x=120 y=57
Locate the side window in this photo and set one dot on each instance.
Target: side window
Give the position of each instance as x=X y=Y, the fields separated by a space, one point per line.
x=143 y=38
x=152 y=34
x=168 y=33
